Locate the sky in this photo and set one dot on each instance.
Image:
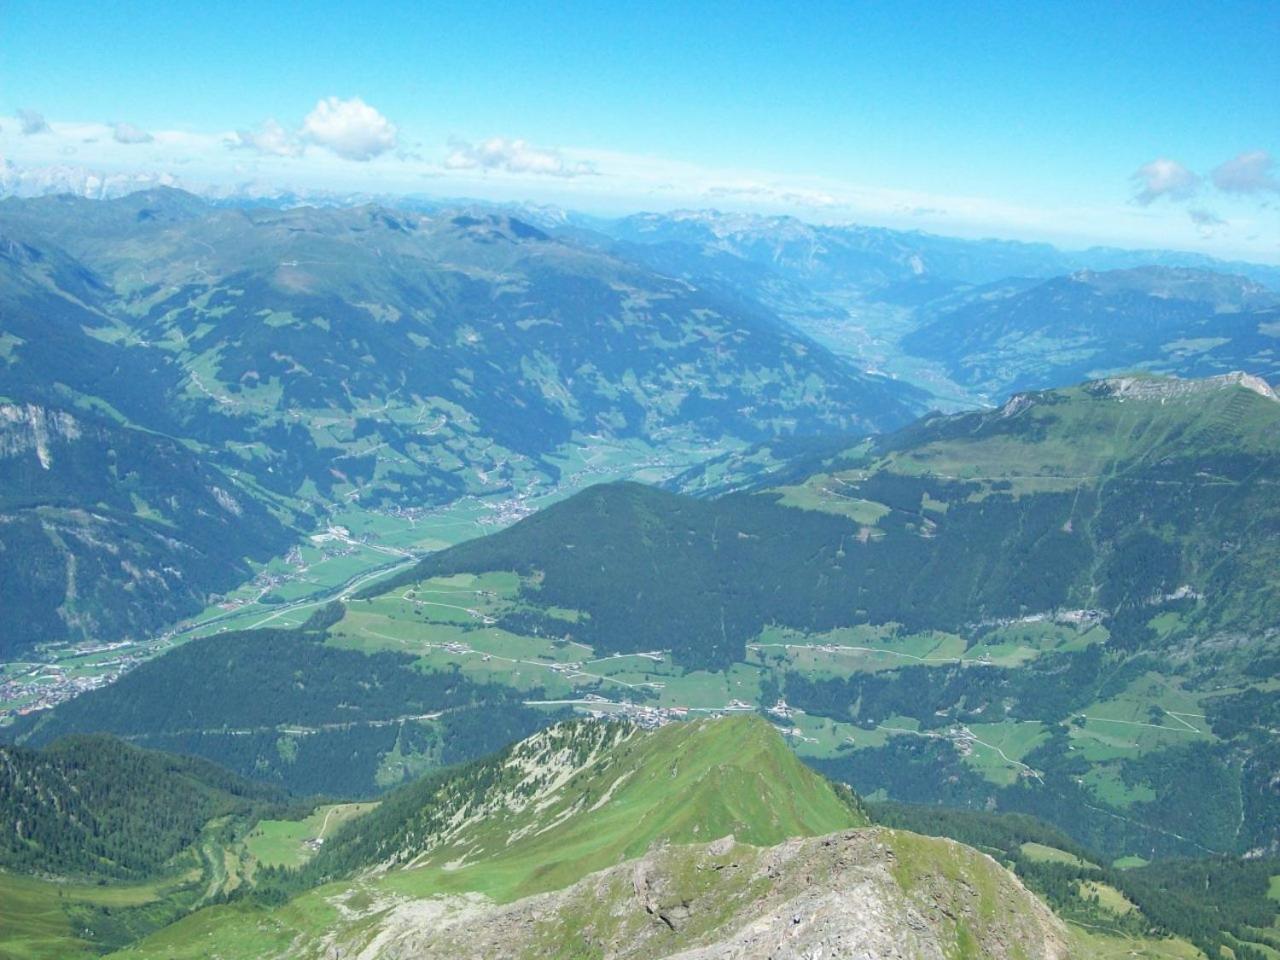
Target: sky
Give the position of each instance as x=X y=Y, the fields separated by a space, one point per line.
x=1080 y=123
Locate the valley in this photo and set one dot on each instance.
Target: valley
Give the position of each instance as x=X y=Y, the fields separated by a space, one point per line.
x=698 y=487
x=1008 y=661
x=359 y=546
x=709 y=481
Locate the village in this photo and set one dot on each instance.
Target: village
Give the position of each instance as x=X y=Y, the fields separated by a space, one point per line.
x=28 y=687
x=650 y=717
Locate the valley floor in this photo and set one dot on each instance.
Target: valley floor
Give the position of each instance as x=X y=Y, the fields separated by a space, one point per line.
x=359 y=546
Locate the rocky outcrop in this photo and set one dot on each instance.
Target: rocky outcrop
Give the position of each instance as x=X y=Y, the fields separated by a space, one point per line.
x=1168 y=388
x=866 y=894
x=32 y=428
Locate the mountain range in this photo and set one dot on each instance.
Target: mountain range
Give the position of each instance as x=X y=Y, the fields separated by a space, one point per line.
x=293 y=360
x=1192 y=323
x=300 y=363
x=462 y=579
x=833 y=258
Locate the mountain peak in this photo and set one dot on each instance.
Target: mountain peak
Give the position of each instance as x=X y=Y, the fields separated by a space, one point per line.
x=583 y=794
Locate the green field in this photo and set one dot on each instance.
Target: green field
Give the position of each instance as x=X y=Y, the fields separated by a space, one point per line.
x=454 y=622
x=1128 y=863
x=45 y=920
x=1091 y=944
x=290 y=843
x=1041 y=853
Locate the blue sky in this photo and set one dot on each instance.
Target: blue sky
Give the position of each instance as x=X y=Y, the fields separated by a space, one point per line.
x=1026 y=120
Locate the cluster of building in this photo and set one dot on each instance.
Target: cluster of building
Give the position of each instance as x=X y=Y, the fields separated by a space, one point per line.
x=503 y=513
x=48 y=685
x=649 y=717
x=781 y=710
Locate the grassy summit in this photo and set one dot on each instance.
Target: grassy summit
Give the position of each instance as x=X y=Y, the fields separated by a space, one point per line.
x=583 y=795
x=576 y=798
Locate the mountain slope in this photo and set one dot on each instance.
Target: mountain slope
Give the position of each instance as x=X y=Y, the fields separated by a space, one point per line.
x=1066 y=606
x=339 y=309
x=931 y=310
x=94 y=806
x=283 y=707
x=1192 y=323
x=316 y=359
x=579 y=796
x=596 y=839
x=109 y=531
x=953 y=521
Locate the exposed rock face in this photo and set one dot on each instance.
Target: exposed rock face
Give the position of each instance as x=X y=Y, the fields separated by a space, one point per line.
x=863 y=894
x=1166 y=388
x=29 y=427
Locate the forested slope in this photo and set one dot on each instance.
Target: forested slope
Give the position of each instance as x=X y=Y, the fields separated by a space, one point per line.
x=95 y=806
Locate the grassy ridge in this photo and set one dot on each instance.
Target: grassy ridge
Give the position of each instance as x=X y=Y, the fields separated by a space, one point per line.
x=610 y=793
x=573 y=799
x=531 y=820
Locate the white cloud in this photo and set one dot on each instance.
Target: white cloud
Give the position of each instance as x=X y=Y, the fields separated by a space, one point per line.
x=128 y=133
x=776 y=192
x=350 y=128
x=513 y=156
x=1250 y=172
x=1206 y=222
x=1163 y=177
x=276 y=157
x=270 y=138
x=32 y=122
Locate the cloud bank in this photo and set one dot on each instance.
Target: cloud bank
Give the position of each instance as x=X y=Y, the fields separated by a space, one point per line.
x=32 y=123
x=128 y=133
x=513 y=156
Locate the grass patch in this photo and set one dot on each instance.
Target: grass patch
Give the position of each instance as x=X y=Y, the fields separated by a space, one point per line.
x=1045 y=854
x=290 y=843
x=1131 y=862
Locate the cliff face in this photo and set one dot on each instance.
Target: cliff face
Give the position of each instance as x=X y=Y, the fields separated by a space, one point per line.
x=29 y=427
x=865 y=893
